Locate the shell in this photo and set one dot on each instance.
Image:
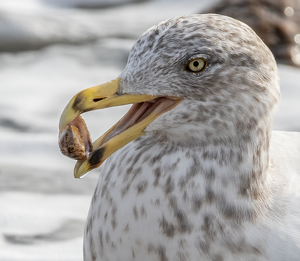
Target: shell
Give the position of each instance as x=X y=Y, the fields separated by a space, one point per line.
x=75 y=141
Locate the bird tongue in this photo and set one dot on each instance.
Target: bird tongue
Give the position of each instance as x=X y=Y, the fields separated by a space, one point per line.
x=76 y=134
x=137 y=113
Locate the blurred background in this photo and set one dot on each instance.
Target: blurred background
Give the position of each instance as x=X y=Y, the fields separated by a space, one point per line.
x=50 y=50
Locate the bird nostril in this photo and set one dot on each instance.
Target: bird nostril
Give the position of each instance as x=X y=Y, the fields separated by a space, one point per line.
x=98 y=99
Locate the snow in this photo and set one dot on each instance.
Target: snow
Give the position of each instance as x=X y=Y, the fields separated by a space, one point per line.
x=42 y=227
x=43 y=208
x=39 y=25
x=288 y=113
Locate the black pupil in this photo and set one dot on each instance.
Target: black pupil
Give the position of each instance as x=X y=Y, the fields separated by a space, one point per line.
x=196 y=64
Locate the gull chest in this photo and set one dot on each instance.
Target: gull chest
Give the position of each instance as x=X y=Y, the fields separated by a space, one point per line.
x=156 y=203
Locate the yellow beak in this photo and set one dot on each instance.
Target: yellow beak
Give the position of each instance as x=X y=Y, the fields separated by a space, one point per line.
x=146 y=109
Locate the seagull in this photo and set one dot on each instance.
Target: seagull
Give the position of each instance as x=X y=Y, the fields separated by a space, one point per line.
x=193 y=171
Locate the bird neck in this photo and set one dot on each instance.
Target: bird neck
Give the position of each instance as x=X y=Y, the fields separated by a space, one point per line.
x=239 y=160
x=242 y=162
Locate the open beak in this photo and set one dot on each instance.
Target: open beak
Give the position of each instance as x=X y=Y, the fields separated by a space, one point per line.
x=145 y=109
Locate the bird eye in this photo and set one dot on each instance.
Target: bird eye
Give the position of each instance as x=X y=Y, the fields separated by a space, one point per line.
x=196 y=65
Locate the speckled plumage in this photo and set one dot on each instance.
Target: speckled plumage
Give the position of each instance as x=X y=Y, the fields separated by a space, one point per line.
x=204 y=182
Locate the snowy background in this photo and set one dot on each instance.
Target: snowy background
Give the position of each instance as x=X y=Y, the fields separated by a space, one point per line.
x=50 y=50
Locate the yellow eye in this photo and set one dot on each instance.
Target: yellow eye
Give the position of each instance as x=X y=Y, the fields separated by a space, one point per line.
x=196 y=65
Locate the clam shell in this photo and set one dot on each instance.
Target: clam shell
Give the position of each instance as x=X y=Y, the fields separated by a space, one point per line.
x=75 y=141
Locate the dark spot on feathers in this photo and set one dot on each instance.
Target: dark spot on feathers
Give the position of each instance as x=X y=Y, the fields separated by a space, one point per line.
x=92 y=244
x=161 y=250
x=125 y=190
x=107 y=237
x=203 y=245
x=89 y=225
x=150 y=248
x=197 y=203
x=113 y=245
x=126 y=229
x=157 y=202
x=185 y=196
x=157 y=174
x=173 y=203
x=217 y=257
x=101 y=240
x=113 y=223
x=210 y=175
x=135 y=213
x=142 y=186
x=183 y=223
x=169 y=185
x=210 y=195
x=143 y=212
x=168 y=228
